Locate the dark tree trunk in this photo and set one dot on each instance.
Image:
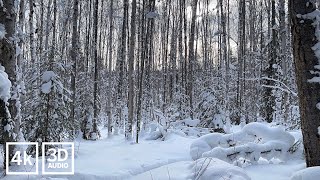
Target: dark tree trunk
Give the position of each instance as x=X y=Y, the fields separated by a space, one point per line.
x=8 y=60
x=96 y=72
x=192 y=55
x=128 y=132
x=309 y=93
x=74 y=57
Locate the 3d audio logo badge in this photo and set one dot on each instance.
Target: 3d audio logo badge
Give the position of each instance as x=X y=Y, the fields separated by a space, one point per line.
x=59 y=159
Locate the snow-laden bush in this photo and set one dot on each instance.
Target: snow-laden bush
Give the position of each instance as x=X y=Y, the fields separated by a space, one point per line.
x=255 y=140
x=50 y=117
x=215 y=169
x=310 y=173
x=156 y=131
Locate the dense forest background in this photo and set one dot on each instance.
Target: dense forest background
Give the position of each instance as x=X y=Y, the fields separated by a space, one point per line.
x=125 y=64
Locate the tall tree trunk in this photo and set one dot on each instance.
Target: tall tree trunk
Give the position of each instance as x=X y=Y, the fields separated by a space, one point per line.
x=8 y=109
x=109 y=105
x=32 y=43
x=120 y=63
x=128 y=132
x=269 y=100
x=192 y=55
x=142 y=48
x=305 y=61
x=46 y=45
x=241 y=58
x=74 y=57
x=283 y=59
x=95 y=129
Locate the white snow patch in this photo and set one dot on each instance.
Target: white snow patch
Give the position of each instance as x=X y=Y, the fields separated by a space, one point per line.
x=7 y=128
x=215 y=169
x=2 y=31
x=317 y=67
x=5 y=85
x=311 y=15
x=191 y=122
x=314 y=79
x=47 y=75
x=47 y=78
x=46 y=87
x=218 y=120
x=175 y=171
x=310 y=173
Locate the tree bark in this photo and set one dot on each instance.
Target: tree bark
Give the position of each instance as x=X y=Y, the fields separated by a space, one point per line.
x=96 y=72
x=241 y=58
x=309 y=95
x=74 y=57
x=109 y=105
x=128 y=132
x=120 y=64
x=192 y=56
x=8 y=60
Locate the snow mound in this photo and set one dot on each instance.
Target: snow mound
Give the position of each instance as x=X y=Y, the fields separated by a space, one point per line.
x=5 y=84
x=215 y=169
x=311 y=173
x=255 y=140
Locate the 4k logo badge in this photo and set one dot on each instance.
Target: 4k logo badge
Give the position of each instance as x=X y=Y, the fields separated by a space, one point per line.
x=21 y=160
x=57 y=159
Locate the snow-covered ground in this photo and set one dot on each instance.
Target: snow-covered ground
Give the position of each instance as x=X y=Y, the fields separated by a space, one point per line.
x=155 y=160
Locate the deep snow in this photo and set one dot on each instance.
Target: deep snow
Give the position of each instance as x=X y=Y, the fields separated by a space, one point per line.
x=115 y=158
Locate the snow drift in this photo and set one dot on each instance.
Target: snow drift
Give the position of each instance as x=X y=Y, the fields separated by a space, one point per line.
x=215 y=169
x=307 y=174
x=255 y=140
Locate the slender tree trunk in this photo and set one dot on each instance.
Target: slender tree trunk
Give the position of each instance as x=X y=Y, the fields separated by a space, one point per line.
x=142 y=48
x=32 y=41
x=269 y=99
x=74 y=57
x=121 y=60
x=109 y=105
x=40 y=34
x=95 y=129
x=46 y=45
x=130 y=73
x=241 y=58
x=192 y=56
x=21 y=29
x=283 y=56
